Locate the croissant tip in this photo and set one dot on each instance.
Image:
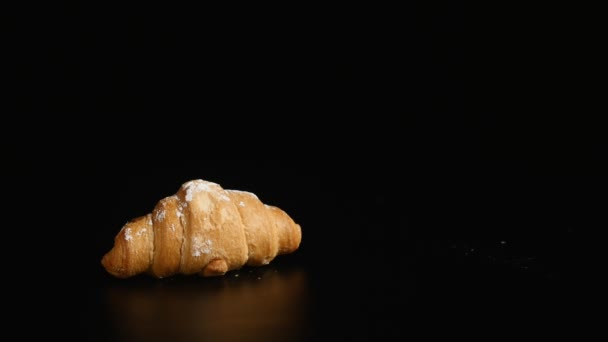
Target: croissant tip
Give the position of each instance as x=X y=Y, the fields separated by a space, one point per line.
x=106 y=263
x=297 y=236
x=111 y=262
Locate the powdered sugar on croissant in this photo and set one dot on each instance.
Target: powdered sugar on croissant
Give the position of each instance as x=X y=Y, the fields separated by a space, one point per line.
x=202 y=229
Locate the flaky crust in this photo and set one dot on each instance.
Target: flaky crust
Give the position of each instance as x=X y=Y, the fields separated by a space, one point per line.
x=202 y=229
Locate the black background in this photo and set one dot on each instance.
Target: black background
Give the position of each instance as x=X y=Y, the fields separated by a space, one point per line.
x=412 y=145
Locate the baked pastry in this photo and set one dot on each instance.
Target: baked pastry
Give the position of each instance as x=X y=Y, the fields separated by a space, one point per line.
x=202 y=229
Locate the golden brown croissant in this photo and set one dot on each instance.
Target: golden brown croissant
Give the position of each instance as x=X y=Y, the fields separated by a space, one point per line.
x=202 y=229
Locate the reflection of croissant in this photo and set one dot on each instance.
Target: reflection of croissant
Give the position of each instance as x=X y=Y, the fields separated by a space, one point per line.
x=202 y=229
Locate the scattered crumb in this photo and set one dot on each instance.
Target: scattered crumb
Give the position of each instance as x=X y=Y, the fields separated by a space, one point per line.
x=259 y=278
x=503 y=242
x=236 y=275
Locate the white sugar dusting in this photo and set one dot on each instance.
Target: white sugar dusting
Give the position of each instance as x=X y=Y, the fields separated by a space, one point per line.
x=128 y=235
x=139 y=233
x=201 y=247
x=160 y=215
x=196 y=186
x=224 y=197
x=173 y=227
x=241 y=204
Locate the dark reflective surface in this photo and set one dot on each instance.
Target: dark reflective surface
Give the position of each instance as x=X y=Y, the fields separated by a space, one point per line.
x=260 y=305
x=448 y=288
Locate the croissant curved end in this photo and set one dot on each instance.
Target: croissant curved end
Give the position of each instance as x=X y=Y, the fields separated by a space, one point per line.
x=114 y=264
x=125 y=259
x=296 y=237
x=291 y=238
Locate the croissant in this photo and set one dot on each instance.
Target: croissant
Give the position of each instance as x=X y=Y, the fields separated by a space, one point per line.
x=202 y=229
